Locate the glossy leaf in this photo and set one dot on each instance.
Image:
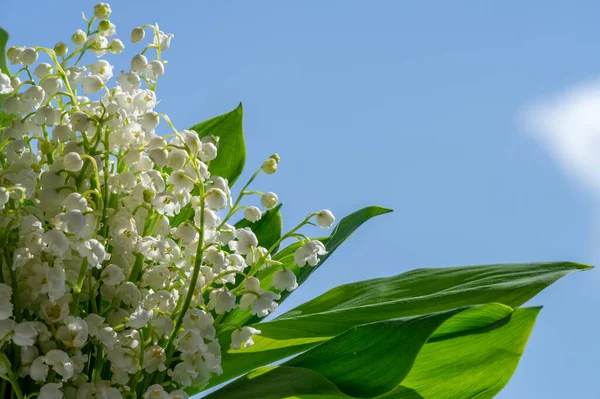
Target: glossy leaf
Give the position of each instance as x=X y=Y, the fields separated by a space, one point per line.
x=231 y=148
x=3 y=41
x=3 y=69
x=474 y=365
x=417 y=292
x=478 y=349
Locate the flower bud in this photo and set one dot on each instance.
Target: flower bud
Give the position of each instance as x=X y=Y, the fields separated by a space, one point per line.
x=137 y=35
x=102 y=10
x=13 y=52
x=73 y=162
x=46 y=147
x=148 y=196
x=275 y=157
x=269 y=200
x=269 y=166
x=115 y=46
x=79 y=37
x=104 y=25
x=61 y=49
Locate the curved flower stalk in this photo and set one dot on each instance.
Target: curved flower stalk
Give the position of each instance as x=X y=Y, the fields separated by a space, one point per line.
x=104 y=290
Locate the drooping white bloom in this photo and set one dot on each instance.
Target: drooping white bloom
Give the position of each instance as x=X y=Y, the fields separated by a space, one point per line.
x=252 y=214
x=39 y=369
x=154 y=359
x=139 y=318
x=92 y=84
x=80 y=121
x=183 y=373
x=102 y=69
x=166 y=203
x=60 y=362
x=112 y=275
x=221 y=301
x=216 y=199
x=284 y=280
x=309 y=253
x=33 y=96
x=73 y=162
x=73 y=222
x=246 y=241
x=25 y=333
x=5 y=84
x=155 y=69
x=265 y=303
x=51 y=391
x=200 y=320
x=178 y=394
x=139 y=63
x=164 y=40
x=55 y=285
x=94 y=251
x=28 y=56
x=155 y=391
x=189 y=341
x=73 y=333
x=208 y=152
x=325 y=218
x=242 y=338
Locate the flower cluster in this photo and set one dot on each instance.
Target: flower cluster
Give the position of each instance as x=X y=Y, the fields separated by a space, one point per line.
x=105 y=290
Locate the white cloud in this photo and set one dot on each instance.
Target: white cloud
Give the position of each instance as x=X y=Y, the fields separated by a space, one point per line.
x=568 y=123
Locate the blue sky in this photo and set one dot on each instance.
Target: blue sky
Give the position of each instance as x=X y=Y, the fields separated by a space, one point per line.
x=421 y=107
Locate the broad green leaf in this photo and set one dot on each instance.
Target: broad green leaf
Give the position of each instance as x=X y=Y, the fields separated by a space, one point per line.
x=231 y=155
x=341 y=233
x=478 y=348
x=388 y=348
x=423 y=291
x=267 y=229
x=3 y=40
x=416 y=292
x=474 y=365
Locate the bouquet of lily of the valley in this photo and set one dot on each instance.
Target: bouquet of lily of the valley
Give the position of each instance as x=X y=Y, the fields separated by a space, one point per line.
x=129 y=270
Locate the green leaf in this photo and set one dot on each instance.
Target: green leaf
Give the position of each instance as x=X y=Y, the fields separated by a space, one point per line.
x=3 y=64
x=231 y=155
x=268 y=229
x=3 y=40
x=388 y=348
x=278 y=382
x=417 y=292
x=478 y=348
x=474 y=365
x=341 y=233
